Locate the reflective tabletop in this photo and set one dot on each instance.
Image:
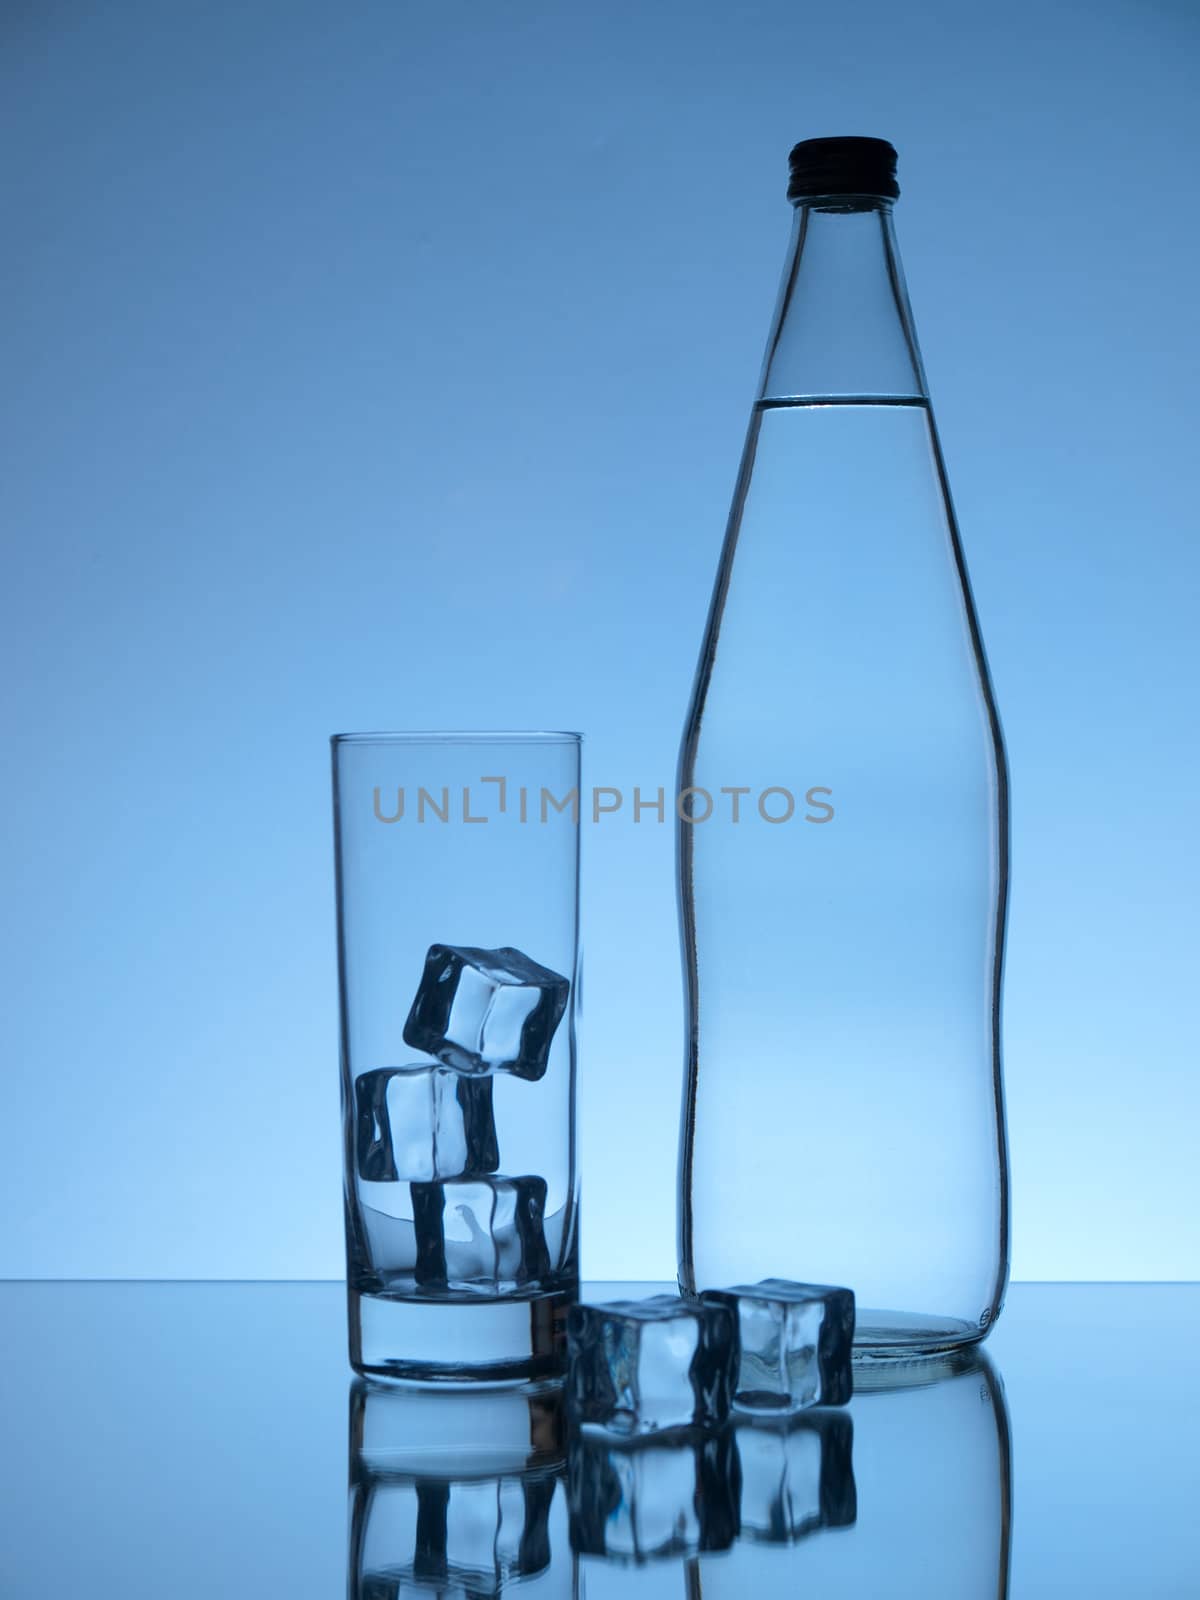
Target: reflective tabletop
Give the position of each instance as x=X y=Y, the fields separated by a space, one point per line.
x=205 y=1439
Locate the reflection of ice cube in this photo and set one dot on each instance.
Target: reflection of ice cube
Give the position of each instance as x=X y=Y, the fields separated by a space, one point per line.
x=486 y=1010
x=794 y=1343
x=638 y=1500
x=451 y=1535
x=423 y=1122
x=797 y=1476
x=638 y=1366
x=488 y=1233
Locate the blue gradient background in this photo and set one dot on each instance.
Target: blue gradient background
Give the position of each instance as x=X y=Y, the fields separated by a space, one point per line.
x=387 y=365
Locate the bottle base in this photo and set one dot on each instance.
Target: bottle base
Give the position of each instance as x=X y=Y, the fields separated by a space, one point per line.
x=884 y=1335
x=466 y=1342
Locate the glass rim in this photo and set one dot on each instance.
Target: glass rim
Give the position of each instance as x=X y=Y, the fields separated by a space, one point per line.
x=464 y=736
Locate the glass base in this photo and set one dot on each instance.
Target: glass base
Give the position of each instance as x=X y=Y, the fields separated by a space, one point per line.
x=464 y=1342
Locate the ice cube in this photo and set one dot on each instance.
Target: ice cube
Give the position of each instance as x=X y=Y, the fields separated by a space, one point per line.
x=793 y=1344
x=423 y=1122
x=482 y=1233
x=797 y=1476
x=641 y=1499
x=486 y=1010
x=639 y=1366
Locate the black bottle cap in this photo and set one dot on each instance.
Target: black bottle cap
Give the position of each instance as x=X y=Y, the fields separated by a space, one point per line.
x=842 y=166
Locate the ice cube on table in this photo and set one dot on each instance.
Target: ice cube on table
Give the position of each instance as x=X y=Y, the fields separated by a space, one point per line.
x=486 y=1010
x=793 y=1344
x=485 y=1233
x=638 y=1500
x=797 y=1476
x=422 y=1122
x=640 y=1366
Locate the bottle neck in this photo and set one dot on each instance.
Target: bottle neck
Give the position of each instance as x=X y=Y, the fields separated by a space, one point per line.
x=843 y=327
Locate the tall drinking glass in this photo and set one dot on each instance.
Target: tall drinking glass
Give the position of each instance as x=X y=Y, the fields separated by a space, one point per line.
x=458 y=915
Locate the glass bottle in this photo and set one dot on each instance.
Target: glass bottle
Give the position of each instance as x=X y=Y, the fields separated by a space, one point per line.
x=843 y=840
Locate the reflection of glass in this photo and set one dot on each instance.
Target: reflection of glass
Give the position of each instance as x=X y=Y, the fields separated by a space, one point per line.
x=456 y=1494
x=932 y=1479
x=457 y=880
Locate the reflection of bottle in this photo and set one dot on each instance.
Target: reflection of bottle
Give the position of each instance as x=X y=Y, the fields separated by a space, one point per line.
x=843 y=868
x=932 y=1480
x=456 y=1494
